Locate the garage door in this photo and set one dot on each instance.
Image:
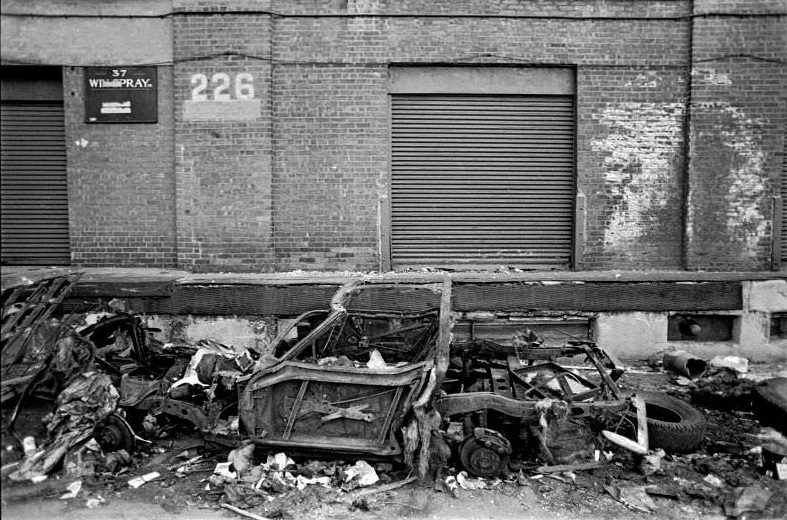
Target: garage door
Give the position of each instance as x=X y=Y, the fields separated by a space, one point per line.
x=34 y=189
x=783 y=241
x=482 y=180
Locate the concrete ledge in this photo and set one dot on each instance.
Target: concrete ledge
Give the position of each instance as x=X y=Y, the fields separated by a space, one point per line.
x=160 y=291
x=627 y=312
x=132 y=275
x=170 y=293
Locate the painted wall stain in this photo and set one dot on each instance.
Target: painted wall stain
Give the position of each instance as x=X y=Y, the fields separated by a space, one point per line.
x=640 y=149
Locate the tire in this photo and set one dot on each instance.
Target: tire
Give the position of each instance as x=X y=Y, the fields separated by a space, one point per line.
x=673 y=424
x=770 y=403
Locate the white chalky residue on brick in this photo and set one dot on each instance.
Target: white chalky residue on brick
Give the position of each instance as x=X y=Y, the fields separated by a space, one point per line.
x=710 y=77
x=643 y=142
x=749 y=183
x=365 y=25
x=748 y=188
x=649 y=80
x=364 y=6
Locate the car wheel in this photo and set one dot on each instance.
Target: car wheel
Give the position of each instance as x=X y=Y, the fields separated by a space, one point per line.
x=770 y=403
x=114 y=433
x=482 y=461
x=673 y=424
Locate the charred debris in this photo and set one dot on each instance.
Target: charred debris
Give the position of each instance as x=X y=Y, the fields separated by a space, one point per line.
x=372 y=392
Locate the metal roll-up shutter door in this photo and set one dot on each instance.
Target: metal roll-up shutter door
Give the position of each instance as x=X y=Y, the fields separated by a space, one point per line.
x=783 y=242
x=34 y=184
x=484 y=180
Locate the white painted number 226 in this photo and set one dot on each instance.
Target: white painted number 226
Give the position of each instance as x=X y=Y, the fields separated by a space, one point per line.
x=220 y=83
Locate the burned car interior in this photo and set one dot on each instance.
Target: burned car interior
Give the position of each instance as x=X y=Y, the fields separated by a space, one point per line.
x=378 y=374
x=346 y=383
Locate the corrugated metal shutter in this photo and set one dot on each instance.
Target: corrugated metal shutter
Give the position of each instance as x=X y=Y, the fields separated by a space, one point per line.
x=783 y=252
x=484 y=180
x=34 y=188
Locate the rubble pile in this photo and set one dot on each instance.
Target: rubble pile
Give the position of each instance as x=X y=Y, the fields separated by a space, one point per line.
x=349 y=404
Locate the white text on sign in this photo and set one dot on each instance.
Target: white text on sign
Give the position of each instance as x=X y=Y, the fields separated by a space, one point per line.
x=222 y=87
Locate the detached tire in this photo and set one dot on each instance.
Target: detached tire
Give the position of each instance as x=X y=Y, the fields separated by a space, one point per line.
x=770 y=403
x=673 y=424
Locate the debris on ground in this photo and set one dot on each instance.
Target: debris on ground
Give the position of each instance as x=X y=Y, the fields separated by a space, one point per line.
x=634 y=497
x=73 y=490
x=772 y=441
x=713 y=480
x=241 y=459
x=773 y=450
x=147 y=477
x=223 y=472
x=722 y=388
x=582 y=466
x=736 y=363
x=466 y=482
x=84 y=459
x=243 y=513
x=80 y=407
x=685 y=364
x=92 y=503
x=651 y=463
x=361 y=474
x=117 y=460
x=278 y=462
x=746 y=499
x=384 y=488
x=116 y=424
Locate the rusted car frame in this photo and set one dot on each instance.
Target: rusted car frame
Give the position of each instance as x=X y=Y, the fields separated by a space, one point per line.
x=348 y=408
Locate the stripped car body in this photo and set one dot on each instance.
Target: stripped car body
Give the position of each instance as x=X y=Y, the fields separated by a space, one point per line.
x=347 y=403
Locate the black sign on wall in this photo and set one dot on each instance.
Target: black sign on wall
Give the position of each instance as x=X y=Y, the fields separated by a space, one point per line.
x=121 y=95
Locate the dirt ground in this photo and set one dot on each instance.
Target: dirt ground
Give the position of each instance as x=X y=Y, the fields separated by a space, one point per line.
x=705 y=484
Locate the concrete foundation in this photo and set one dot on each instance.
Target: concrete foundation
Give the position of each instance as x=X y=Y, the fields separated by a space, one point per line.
x=247 y=332
x=642 y=335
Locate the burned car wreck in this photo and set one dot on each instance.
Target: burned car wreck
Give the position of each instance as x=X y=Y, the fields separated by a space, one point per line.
x=379 y=375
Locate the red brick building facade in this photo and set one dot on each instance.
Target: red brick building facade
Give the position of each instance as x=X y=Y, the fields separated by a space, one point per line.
x=378 y=134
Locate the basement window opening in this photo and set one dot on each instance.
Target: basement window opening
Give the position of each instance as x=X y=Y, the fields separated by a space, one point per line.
x=700 y=327
x=778 y=325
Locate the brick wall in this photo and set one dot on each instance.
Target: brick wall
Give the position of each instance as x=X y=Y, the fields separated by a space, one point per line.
x=331 y=143
x=629 y=165
x=330 y=138
x=297 y=176
x=493 y=8
x=223 y=141
x=329 y=93
x=121 y=190
x=737 y=130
